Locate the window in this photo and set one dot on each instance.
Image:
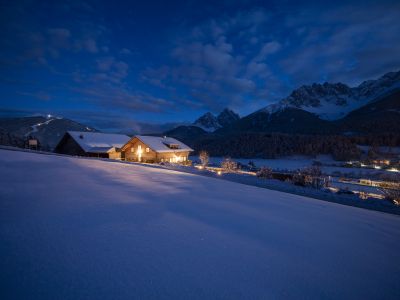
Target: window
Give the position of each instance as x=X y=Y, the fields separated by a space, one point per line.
x=147 y=150
x=139 y=148
x=132 y=149
x=171 y=145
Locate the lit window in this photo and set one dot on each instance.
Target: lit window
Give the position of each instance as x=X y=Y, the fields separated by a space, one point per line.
x=147 y=150
x=132 y=149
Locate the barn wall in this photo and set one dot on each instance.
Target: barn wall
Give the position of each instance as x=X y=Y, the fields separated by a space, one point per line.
x=114 y=154
x=67 y=145
x=170 y=156
x=101 y=155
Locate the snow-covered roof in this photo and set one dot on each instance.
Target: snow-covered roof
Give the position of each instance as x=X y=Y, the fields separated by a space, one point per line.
x=97 y=142
x=160 y=144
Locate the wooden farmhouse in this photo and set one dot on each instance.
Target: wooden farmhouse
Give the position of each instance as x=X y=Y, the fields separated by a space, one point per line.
x=154 y=149
x=93 y=144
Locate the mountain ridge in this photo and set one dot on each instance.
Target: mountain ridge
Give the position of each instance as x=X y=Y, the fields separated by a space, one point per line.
x=333 y=101
x=209 y=122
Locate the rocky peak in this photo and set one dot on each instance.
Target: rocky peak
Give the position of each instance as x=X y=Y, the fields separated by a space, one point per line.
x=227 y=117
x=208 y=122
x=331 y=101
x=380 y=86
x=313 y=95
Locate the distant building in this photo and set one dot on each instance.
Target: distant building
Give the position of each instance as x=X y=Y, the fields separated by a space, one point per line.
x=32 y=143
x=154 y=149
x=93 y=144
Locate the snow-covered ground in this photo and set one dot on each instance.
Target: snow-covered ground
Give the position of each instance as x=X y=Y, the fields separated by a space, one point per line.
x=296 y=162
x=286 y=163
x=90 y=229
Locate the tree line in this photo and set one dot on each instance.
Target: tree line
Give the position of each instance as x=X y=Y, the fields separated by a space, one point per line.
x=277 y=145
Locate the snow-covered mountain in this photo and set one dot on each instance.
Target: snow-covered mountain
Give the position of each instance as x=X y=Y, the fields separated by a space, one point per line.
x=227 y=117
x=48 y=130
x=210 y=122
x=334 y=101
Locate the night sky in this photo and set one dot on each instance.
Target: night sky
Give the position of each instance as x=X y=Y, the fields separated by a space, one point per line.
x=111 y=64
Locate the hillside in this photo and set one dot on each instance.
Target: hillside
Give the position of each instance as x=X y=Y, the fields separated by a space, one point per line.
x=380 y=116
x=86 y=228
x=48 y=130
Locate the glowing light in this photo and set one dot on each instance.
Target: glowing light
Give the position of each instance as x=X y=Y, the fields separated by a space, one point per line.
x=377 y=167
x=362 y=165
x=139 y=152
x=393 y=170
x=219 y=172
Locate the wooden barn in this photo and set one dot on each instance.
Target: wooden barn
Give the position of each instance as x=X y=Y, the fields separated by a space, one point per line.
x=93 y=144
x=154 y=149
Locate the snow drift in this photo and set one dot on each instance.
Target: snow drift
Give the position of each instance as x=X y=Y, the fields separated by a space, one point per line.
x=89 y=229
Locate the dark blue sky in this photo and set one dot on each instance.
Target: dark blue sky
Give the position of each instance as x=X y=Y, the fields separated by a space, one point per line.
x=110 y=64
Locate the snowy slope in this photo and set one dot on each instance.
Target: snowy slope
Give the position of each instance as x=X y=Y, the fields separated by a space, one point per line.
x=48 y=130
x=332 y=101
x=90 y=229
x=207 y=122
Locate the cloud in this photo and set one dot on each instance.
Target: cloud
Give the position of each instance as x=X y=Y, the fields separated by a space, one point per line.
x=120 y=98
x=111 y=69
x=258 y=56
x=88 y=44
x=348 y=44
x=41 y=95
x=267 y=49
x=125 y=51
x=209 y=66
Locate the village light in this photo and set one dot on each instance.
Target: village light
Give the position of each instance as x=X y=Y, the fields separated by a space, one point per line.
x=393 y=170
x=219 y=172
x=377 y=167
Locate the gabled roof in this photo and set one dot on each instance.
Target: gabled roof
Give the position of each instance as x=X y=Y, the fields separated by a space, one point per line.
x=97 y=142
x=159 y=144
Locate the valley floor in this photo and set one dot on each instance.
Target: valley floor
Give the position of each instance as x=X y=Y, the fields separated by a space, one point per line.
x=75 y=228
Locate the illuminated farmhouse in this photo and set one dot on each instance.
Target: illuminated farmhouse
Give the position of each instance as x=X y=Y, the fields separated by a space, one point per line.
x=154 y=149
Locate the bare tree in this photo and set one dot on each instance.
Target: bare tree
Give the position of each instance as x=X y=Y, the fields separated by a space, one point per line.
x=265 y=172
x=391 y=191
x=310 y=176
x=204 y=158
x=392 y=195
x=228 y=165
